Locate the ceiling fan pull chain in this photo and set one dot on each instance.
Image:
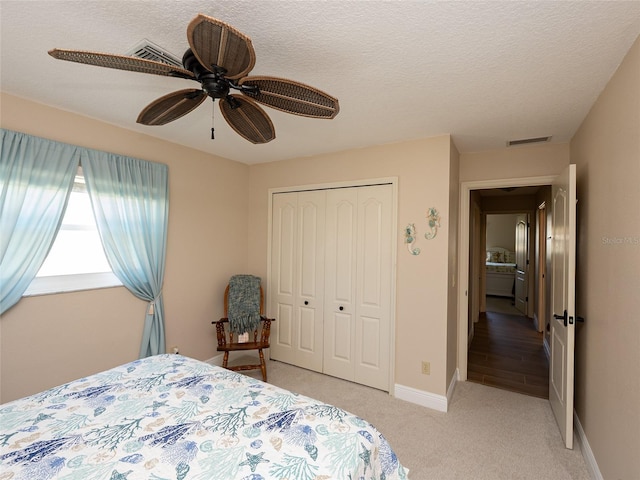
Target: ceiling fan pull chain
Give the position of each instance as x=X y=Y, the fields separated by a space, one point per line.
x=212 y=112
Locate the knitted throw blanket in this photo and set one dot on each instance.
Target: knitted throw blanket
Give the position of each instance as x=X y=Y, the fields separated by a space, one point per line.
x=244 y=303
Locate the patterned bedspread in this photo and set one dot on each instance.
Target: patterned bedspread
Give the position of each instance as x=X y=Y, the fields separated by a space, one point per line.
x=169 y=417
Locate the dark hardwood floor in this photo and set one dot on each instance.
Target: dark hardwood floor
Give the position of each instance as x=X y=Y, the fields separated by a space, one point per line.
x=506 y=352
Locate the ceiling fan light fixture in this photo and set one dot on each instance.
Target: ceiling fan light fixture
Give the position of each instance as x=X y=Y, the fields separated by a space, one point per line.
x=525 y=141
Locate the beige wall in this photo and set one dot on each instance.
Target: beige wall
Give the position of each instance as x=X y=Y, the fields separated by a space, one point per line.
x=606 y=151
x=424 y=173
x=501 y=231
x=51 y=339
x=514 y=162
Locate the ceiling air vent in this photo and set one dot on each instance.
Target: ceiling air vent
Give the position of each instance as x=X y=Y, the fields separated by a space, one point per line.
x=150 y=51
x=525 y=141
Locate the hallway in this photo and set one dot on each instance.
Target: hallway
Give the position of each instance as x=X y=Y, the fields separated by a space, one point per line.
x=506 y=352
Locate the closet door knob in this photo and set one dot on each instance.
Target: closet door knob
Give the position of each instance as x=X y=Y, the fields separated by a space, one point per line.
x=306 y=302
x=341 y=308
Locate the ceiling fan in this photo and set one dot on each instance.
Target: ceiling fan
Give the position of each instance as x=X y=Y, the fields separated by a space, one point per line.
x=219 y=58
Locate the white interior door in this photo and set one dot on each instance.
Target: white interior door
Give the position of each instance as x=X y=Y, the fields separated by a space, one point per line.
x=562 y=334
x=522 y=263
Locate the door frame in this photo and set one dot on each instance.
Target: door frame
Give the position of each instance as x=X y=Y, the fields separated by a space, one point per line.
x=528 y=270
x=463 y=253
x=540 y=317
x=393 y=181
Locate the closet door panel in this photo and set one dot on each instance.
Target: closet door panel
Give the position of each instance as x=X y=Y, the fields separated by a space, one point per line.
x=343 y=231
x=284 y=332
x=283 y=269
x=370 y=346
x=310 y=279
x=374 y=286
x=340 y=282
x=370 y=249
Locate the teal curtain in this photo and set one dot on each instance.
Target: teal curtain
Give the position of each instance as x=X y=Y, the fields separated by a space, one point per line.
x=130 y=202
x=36 y=178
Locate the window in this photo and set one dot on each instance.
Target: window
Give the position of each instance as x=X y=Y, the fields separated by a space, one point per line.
x=76 y=260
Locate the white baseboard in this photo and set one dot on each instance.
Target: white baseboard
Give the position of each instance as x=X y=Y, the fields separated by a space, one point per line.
x=585 y=448
x=413 y=395
x=422 y=398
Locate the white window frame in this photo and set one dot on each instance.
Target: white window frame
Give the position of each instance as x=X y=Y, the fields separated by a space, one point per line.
x=71 y=283
x=48 y=285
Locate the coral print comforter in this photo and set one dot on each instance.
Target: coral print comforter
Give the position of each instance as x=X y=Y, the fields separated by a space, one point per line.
x=169 y=417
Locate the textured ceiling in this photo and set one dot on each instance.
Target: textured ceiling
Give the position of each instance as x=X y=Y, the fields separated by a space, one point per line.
x=486 y=72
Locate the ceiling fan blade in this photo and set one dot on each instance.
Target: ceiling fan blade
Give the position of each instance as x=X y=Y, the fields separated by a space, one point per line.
x=292 y=97
x=215 y=43
x=247 y=119
x=121 y=62
x=171 y=107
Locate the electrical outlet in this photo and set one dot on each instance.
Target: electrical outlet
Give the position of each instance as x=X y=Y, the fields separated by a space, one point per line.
x=426 y=368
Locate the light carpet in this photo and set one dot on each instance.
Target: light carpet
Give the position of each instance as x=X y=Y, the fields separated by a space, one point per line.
x=487 y=434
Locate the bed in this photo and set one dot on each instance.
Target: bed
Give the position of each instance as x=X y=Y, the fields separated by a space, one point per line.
x=500 y=272
x=170 y=417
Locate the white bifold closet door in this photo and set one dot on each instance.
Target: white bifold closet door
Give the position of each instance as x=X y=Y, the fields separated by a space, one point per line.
x=331 y=280
x=297 y=278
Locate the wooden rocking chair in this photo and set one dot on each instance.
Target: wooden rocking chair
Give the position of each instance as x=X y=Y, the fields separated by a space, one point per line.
x=230 y=342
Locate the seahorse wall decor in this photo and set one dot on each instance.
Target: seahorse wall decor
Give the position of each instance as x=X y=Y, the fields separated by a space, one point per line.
x=410 y=238
x=433 y=219
x=434 y=223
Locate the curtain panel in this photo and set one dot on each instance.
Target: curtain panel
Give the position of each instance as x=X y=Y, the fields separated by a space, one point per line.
x=130 y=201
x=131 y=206
x=36 y=178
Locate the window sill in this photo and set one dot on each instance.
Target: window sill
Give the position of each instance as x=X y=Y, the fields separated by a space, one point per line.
x=71 y=283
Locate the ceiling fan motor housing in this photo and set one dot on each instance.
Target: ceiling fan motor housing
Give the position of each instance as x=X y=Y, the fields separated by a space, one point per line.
x=213 y=82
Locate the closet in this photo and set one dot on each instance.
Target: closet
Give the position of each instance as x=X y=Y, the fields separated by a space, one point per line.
x=330 y=284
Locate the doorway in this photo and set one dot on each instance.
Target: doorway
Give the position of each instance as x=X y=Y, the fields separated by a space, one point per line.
x=467 y=330
x=506 y=350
